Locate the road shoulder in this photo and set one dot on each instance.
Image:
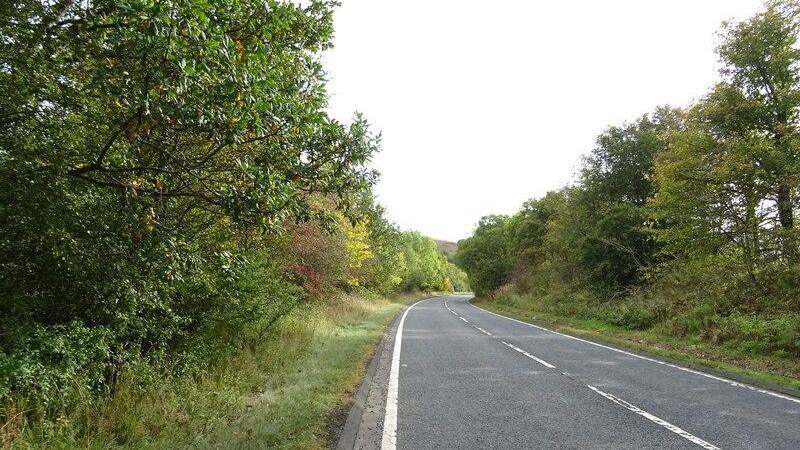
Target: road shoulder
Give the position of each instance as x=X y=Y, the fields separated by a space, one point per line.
x=363 y=428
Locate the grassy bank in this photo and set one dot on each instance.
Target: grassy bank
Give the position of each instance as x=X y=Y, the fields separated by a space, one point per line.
x=278 y=393
x=766 y=370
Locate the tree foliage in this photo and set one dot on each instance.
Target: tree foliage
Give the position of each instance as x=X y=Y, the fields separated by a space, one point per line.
x=730 y=178
x=168 y=176
x=682 y=217
x=426 y=265
x=485 y=255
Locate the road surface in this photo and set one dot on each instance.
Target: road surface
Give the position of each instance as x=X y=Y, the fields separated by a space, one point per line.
x=465 y=378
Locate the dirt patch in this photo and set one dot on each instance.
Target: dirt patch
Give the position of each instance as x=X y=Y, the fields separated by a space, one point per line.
x=335 y=423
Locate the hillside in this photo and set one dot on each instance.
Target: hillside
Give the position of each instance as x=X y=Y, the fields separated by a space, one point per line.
x=446 y=247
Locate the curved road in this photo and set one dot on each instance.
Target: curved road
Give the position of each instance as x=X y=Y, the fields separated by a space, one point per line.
x=468 y=378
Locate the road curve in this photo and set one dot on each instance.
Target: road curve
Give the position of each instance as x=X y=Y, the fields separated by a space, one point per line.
x=468 y=378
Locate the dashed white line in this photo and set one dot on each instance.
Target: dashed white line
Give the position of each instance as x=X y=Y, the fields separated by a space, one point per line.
x=539 y=360
x=389 y=439
x=663 y=363
x=483 y=331
x=655 y=419
x=679 y=431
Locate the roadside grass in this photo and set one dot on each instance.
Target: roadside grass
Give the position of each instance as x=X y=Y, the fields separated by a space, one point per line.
x=767 y=371
x=278 y=393
x=293 y=409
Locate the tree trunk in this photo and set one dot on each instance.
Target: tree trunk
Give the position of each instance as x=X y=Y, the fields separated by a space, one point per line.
x=785 y=210
x=786 y=220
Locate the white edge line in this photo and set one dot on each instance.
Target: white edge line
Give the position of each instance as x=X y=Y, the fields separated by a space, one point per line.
x=389 y=439
x=655 y=419
x=679 y=431
x=663 y=363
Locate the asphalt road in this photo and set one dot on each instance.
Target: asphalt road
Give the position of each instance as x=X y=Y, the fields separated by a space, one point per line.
x=466 y=378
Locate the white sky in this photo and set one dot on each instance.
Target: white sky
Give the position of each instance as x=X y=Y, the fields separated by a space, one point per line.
x=483 y=105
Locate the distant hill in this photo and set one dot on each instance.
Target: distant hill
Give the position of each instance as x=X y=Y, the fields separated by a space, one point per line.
x=446 y=247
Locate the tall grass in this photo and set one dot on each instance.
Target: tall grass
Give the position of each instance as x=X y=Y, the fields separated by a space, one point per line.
x=275 y=391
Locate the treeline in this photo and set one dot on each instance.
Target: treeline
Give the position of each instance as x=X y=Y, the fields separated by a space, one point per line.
x=170 y=186
x=682 y=221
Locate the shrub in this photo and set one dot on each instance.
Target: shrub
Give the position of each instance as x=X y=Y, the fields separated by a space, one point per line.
x=701 y=320
x=760 y=335
x=632 y=315
x=45 y=362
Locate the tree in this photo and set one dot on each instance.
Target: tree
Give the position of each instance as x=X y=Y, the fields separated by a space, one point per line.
x=458 y=280
x=425 y=264
x=147 y=147
x=760 y=97
x=616 y=184
x=528 y=230
x=619 y=167
x=712 y=192
x=730 y=179
x=216 y=108
x=485 y=255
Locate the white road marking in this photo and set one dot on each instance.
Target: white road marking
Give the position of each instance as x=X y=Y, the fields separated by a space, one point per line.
x=655 y=419
x=679 y=431
x=483 y=331
x=539 y=360
x=663 y=363
x=465 y=320
x=389 y=440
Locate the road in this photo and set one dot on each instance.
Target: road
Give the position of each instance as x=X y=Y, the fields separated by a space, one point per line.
x=465 y=378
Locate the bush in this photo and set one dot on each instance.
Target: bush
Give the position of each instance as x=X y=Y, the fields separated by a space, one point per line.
x=54 y=363
x=701 y=320
x=631 y=315
x=759 y=335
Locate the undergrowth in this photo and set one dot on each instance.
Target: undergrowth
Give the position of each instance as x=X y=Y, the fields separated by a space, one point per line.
x=275 y=390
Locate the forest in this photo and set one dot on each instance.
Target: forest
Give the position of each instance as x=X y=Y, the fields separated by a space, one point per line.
x=681 y=223
x=172 y=194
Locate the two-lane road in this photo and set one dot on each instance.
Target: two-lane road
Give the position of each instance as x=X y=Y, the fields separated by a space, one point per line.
x=467 y=378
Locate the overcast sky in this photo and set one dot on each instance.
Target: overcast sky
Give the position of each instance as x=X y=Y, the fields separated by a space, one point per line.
x=483 y=105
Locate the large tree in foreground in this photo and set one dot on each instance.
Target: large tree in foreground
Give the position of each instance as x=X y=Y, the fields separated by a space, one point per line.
x=217 y=104
x=143 y=143
x=760 y=99
x=728 y=183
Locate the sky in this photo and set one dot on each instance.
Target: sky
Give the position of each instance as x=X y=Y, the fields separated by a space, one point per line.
x=483 y=105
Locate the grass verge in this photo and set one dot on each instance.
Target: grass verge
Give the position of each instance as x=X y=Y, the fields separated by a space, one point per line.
x=277 y=394
x=779 y=374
